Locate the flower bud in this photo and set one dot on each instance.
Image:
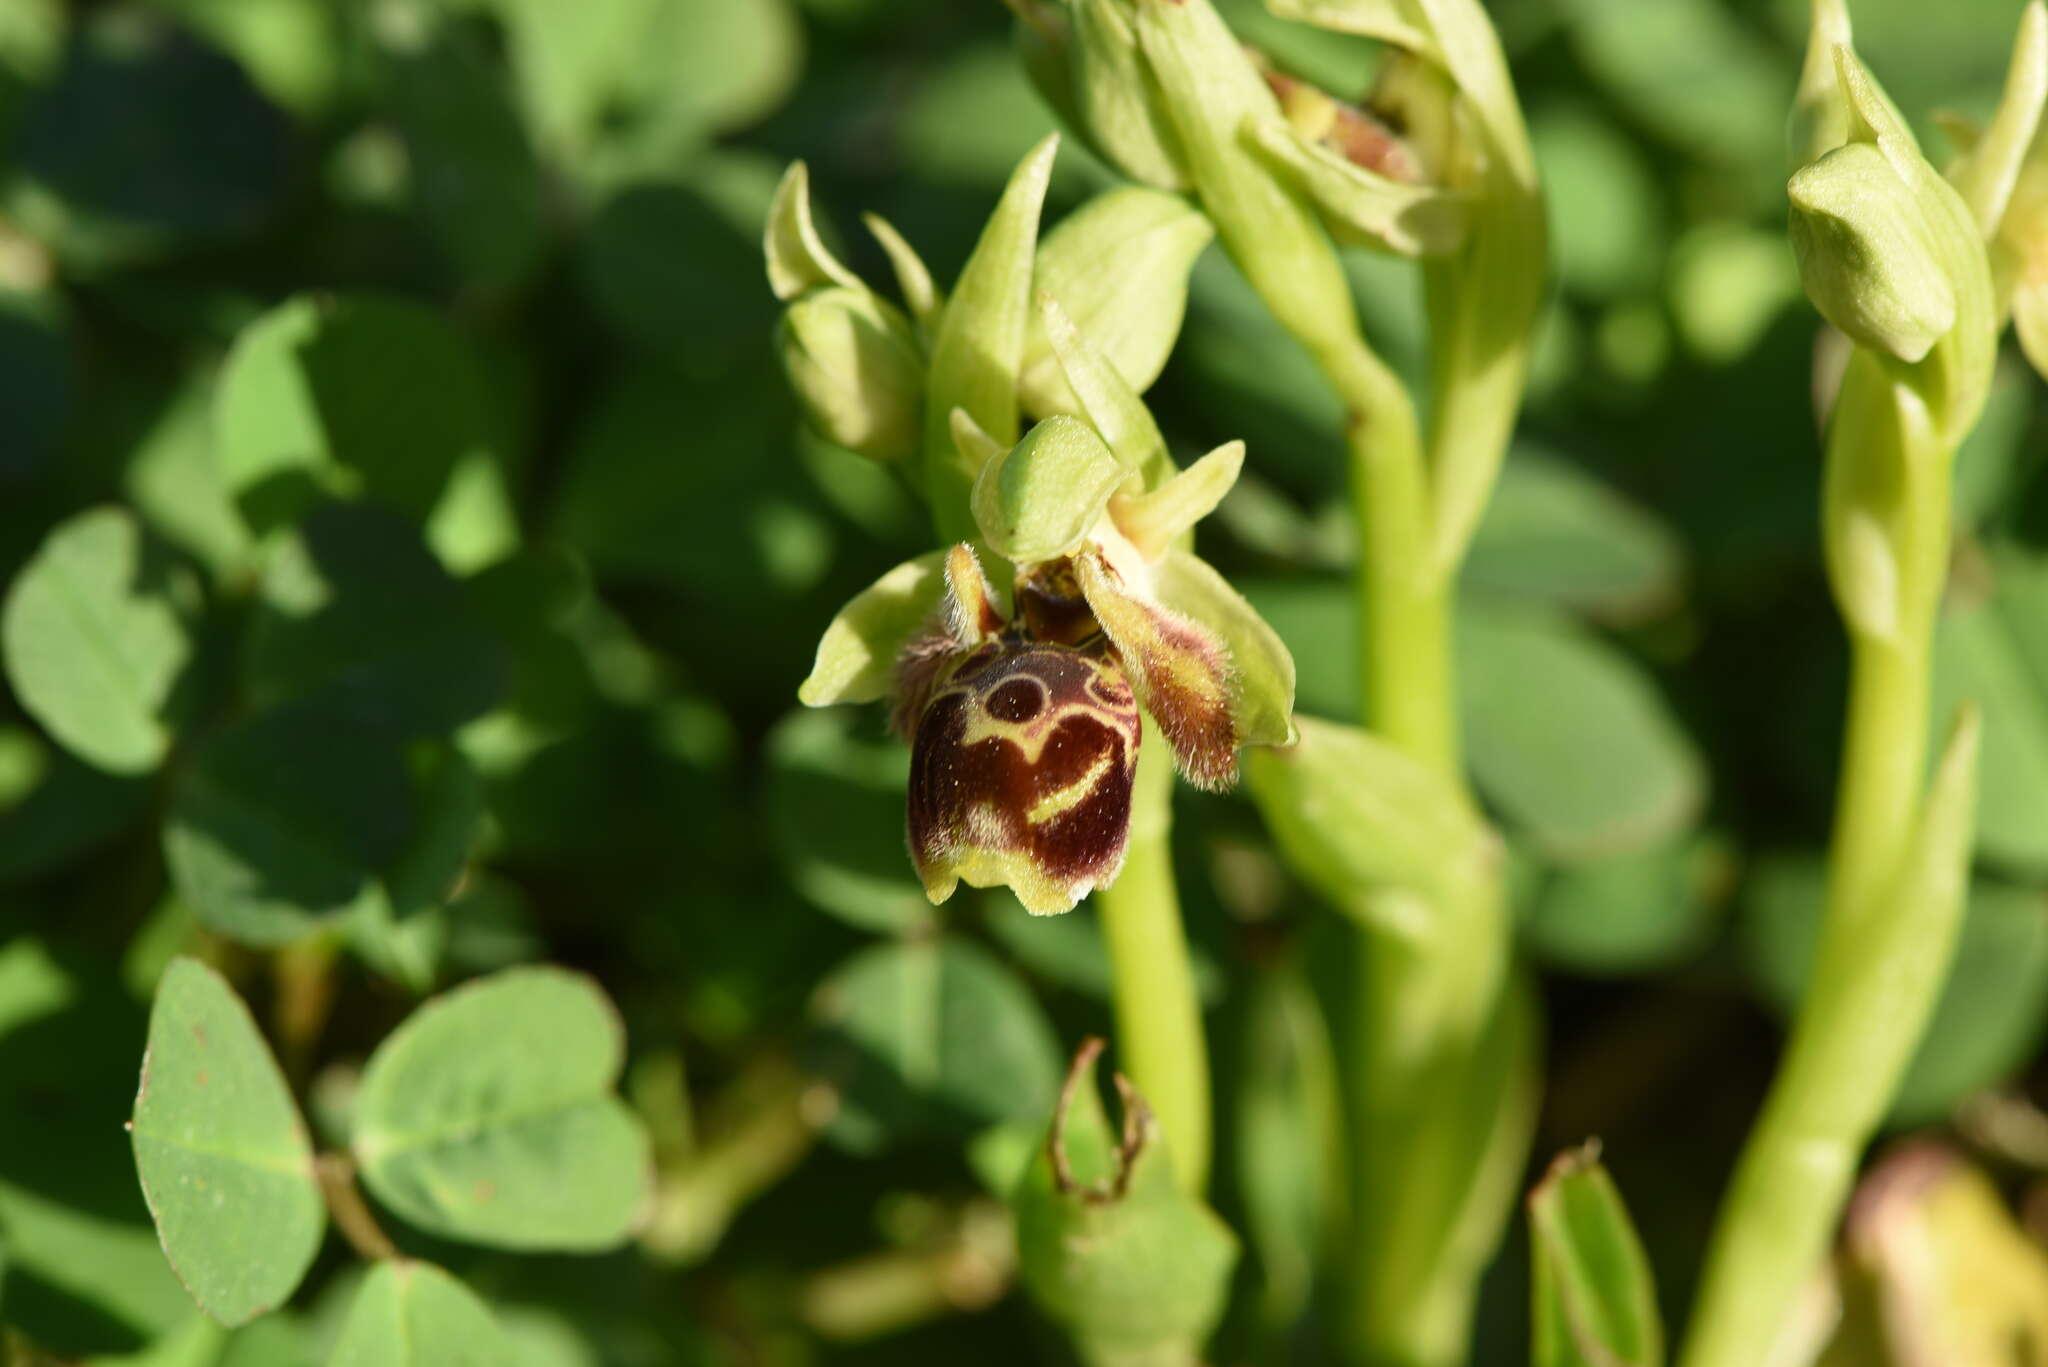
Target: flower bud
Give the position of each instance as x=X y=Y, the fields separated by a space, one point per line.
x=854 y=363
x=1869 y=256
x=1083 y=56
x=1937 y=1268
x=1108 y=1244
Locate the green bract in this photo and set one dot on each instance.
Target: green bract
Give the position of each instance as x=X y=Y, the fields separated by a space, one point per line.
x=1119 y=265
x=1134 y=1268
x=1594 y=1303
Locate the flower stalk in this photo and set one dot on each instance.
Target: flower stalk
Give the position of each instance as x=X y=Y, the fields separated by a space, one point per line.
x=1027 y=698
x=1894 y=256
x=1281 y=178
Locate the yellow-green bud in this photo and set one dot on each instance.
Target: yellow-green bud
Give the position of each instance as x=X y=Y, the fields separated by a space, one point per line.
x=1108 y=1244
x=855 y=366
x=1869 y=256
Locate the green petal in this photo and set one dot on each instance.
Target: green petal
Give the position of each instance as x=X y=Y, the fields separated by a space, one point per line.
x=1154 y=521
x=1040 y=499
x=857 y=657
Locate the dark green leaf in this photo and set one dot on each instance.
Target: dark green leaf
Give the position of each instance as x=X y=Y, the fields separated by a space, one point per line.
x=1569 y=739
x=346 y=395
x=930 y=1038
x=836 y=804
x=358 y=620
x=1642 y=912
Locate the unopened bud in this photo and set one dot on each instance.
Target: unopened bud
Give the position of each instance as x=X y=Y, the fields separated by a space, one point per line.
x=1868 y=255
x=1118 y=102
x=856 y=369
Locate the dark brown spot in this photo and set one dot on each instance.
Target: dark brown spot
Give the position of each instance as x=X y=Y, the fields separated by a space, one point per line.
x=201 y=1079
x=1017 y=700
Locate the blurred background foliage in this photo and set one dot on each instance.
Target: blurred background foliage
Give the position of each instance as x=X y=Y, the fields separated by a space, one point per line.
x=392 y=432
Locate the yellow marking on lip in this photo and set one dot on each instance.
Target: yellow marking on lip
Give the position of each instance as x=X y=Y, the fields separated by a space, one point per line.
x=1071 y=796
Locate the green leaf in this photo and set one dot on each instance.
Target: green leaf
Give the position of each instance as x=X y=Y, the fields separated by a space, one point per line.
x=412 y=1314
x=1555 y=534
x=1646 y=911
x=1290 y=1130
x=474 y=178
x=1993 y=1010
x=144 y=141
x=223 y=1155
x=977 y=350
x=97 y=637
x=357 y=619
x=835 y=806
x=1040 y=499
x=1569 y=739
x=343 y=396
x=1355 y=816
x=175 y=484
x=296 y=820
x=1994 y=652
x=1595 y=1304
x=488 y=1116
x=1609 y=238
x=674 y=263
x=932 y=1037
x=37 y=378
x=857 y=656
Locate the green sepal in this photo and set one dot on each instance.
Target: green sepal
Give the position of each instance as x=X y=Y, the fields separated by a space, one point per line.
x=913 y=277
x=1594 y=1302
x=1986 y=173
x=1119 y=266
x=798 y=259
x=1390 y=21
x=855 y=366
x=1362 y=207
x=1106 y=399
x=1355 y=817
x=1261 y=669
x=1820 y=107
x=1135 y=1269
x=977 y=349
x=1157 y=519
x=857 y=656
x=1271 y=229
x=1040 y=499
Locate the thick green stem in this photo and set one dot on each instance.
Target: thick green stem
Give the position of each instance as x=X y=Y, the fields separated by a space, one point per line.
x=1874 y=977
x=1419 y=1103
x=1158 y=1015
